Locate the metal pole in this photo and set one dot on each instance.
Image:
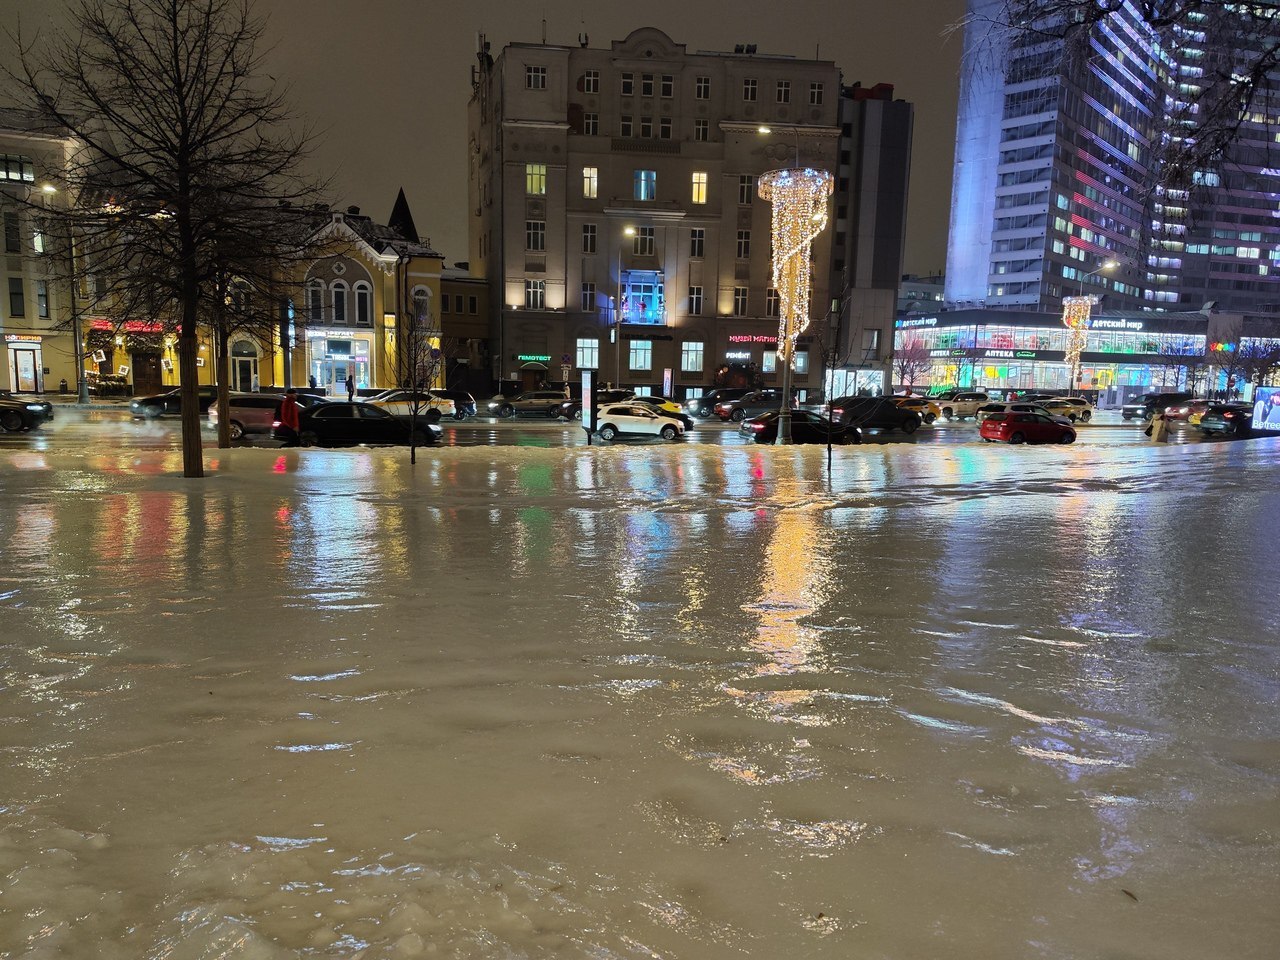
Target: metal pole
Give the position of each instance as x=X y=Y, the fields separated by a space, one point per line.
x=784 y=411
x=617 y=326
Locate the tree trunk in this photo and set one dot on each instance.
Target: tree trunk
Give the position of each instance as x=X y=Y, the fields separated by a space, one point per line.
x=188 y=372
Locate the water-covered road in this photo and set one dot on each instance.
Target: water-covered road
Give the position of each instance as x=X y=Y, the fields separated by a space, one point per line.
x=683 y=702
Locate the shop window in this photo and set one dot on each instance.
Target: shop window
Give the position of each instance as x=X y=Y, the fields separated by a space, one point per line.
x=769 y=362
x=692 y=355
x=802 y=360
x=588 y=354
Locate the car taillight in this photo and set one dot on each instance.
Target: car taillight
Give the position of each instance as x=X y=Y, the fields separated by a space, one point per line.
x=757 y=426
x=1229 y=414
x=838 y=411
x=275 y=424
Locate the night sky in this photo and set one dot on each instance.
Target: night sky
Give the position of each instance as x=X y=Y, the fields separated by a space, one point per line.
x=386 y=83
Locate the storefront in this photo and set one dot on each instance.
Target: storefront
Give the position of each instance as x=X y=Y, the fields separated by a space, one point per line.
x=334 y=355
x=1011 y=350
x=26 y=362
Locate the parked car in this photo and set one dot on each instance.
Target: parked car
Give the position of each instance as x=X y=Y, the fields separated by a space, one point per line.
x=874 y=413
x=667 y=407
x=705 y=405
x=634 y=419
x=1229 y=419
x=926 y=409
x=989 y=410
x=1073 y=408
x=338 y=424
x=806 y=427
x=1144 y=406
x=962 y=404
x=1026 y=428
x=19 y=415
x=1189 y=411
x=464 y=404
x=170 y=403
x=248 y=413
x=34 y=404
x=534 y=402
x=749 y=405
x=400 y=403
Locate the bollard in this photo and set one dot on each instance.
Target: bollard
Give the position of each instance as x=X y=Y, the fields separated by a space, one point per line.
x=62 y=385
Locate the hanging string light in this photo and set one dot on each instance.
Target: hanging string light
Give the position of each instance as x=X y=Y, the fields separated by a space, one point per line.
x=799 y=199
x=1076 y=314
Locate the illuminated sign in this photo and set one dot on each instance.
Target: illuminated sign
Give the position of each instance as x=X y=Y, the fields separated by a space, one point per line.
x=751 y=338
x=1103 y=323
x=534 y=357
x=129 y=326
x=22 y=338
x=959 y=352
x=738 y=355
x=917 y=322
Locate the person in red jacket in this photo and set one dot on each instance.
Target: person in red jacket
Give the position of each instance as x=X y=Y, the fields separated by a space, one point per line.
x=289 y=423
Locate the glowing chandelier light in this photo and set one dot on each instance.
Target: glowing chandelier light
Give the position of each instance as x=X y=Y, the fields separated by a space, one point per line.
x=1076 y=313
x=799 y=199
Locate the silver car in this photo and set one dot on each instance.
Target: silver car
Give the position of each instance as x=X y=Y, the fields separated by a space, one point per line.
x=544 y=403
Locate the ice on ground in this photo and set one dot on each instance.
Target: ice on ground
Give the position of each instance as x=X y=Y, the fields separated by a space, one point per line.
x=666 y=702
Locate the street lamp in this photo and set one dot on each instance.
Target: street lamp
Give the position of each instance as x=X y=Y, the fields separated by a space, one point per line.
x=617 y=315
x=1109 y=265
x=77 y=348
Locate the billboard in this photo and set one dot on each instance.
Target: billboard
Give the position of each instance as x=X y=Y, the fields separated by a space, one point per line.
x=1266 y=408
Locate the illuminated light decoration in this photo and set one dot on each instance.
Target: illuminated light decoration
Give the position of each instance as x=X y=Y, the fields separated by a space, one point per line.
x=799 y=199
x=1222 y=347
x=1076 y=312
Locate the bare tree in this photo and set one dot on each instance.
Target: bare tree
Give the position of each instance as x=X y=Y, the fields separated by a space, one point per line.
x=1236 y=50
x=186 y=152
x=419 y=360
x=1259 y=359
x=910 y=361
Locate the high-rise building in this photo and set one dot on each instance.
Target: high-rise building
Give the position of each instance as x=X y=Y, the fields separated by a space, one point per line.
x=1059 y=172
x=616 y=216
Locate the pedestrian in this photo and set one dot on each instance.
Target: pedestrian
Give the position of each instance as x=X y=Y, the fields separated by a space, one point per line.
x=313 y=381
x=256 y=384
x=289 y=421
x=351 y=388
x=1158 y=430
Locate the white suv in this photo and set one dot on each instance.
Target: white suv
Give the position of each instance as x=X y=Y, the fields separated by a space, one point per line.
x=962 y=405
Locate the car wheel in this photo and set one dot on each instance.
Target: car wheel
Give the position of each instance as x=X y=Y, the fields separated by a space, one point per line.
x=554 y=412
x=1017 y=438
x=577 y=414
x=910 y=426
x=1067 y=437
x=738 y=416
x=1071 y=417
x=236 y=429
x=151 y=413
x=11 y=420
x=668 y=432
x=308 y=439
x=608 y=432
x=1086 y=416
x=929 y=418
x=506 y=411
x=946 y=412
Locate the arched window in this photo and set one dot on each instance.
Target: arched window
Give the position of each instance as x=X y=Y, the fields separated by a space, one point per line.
x=315 y=301
x=364 y=303
x=339 y=302
x=422 y=306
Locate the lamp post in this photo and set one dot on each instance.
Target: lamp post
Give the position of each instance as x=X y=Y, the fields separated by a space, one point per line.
x=1109 y=265
x=78 y=353
x=617 y=315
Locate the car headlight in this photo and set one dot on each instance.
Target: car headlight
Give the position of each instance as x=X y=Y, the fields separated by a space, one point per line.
x=35 y=408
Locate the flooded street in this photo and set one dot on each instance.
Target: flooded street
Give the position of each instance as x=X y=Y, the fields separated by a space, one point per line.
x=683 y=702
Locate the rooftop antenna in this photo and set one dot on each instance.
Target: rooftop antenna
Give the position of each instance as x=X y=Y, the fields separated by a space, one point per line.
x=544 y=31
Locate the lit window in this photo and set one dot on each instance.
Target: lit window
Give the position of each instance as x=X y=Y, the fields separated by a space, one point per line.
x=802 y=360
x=739 y=301
x=699 y=187
x=641 y=355
x=815 y=94
x=691 y=356
x=535 y=179
x=588 y=354
x=535 y=235
x=535 y=294
x=784 y=91
x=37 y=240
x=695 y=303
x=702 y=88
x=588 y=238
x=590 y=182
x=17 y=168
x=769 y=362
x=588 y=298
x=701 y=130
x=535 y=78
x=646 y=184
x=591 y=81
x=749 y=89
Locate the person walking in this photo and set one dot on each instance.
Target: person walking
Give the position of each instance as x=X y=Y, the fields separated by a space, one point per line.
x=289 y=420
x=351 y=388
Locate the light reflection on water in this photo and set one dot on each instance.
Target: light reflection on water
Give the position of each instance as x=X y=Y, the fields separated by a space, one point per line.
x=676 y=701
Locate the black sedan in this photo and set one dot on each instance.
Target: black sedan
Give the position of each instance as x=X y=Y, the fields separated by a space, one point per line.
x=874 y=413
x=1228 y=419
x=19 y=415
x=341 y=424
x=806 y=427
x=34 y=404
x=170 y=403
